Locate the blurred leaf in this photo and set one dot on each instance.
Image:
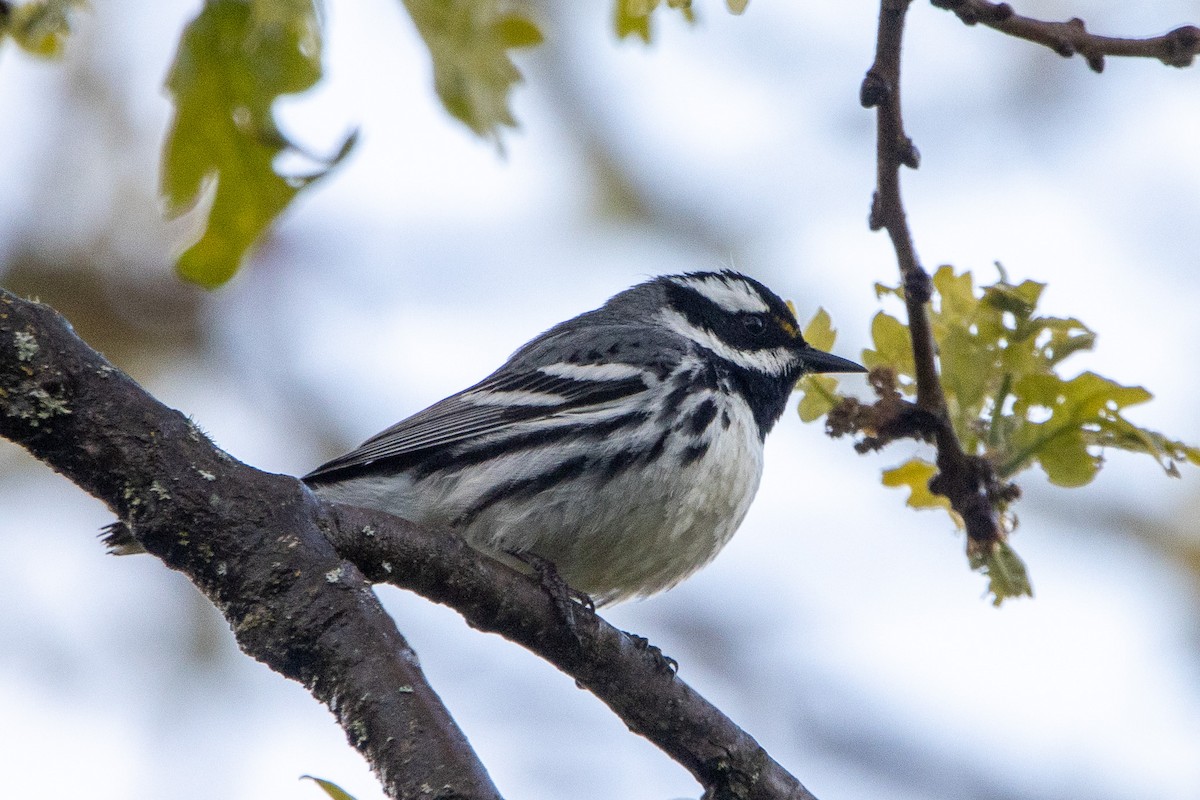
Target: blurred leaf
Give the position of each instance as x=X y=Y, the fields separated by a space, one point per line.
x=40 y=27
x=956 y=293
x=737 y=6
x=330 y=788
x=1005 y=571
x=469 y=41
x=916 y=474
x=514 y=31
x=632 y=17
x=234 y=60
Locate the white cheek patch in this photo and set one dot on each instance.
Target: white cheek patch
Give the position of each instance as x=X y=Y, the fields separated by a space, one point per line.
x=774 y=361
x=733 y=297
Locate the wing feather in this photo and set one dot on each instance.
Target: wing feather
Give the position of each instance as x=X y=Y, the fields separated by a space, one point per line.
x=498 y=403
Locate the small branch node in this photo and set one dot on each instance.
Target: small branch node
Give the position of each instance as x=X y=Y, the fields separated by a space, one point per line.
x=1063 y=47
x=875 y=90
x=907 y=153
x=1178 y=48
x=1181 y=46
x=918 y=286
x=1002 y=12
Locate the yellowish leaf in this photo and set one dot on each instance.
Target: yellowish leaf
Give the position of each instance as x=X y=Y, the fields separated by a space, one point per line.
x=820 y=396
x=819 y=331
x=916 y=474
x=330 y=788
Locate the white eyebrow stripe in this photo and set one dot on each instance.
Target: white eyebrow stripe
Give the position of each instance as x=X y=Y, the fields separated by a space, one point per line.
x=732 y=297
x=593 y=372
x=775 y=361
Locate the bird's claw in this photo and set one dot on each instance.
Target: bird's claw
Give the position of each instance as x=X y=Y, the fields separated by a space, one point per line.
x=567 y=600
x=662 y=661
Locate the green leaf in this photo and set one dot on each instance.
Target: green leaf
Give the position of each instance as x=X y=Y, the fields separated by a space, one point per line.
x=330 y=788
x=515 y=31
x=819 y=396
x=633 y=17
x=469 y=43
x=1084 y=414
x=999 y=369
x=40 y=28
x=1000 y=363
x=892 y=349
x=234 y=60
x=820 y=392
x=1005 y=571
x=956 y=293
x=819 y=331
x=916 y=474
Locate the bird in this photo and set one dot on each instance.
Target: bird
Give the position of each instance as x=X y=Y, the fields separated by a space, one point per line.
x=622 y=447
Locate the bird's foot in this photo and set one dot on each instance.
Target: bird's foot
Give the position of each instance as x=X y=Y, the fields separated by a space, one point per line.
x=568 y=601
x=662 y=661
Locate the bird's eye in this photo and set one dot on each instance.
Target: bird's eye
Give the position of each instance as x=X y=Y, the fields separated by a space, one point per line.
x=755 y=324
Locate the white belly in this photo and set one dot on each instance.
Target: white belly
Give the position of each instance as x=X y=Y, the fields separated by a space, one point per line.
x=633 y=534
x=644 y=530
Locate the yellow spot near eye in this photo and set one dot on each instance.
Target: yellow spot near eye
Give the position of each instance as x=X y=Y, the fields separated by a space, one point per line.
x=789 y=325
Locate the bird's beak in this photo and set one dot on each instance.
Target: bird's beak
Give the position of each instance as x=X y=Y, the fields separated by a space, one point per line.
x=814 y=360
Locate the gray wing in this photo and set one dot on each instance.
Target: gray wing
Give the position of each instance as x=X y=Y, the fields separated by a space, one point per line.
x=542 y=381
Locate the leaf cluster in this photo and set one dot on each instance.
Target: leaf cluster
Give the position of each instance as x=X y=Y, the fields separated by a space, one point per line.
x=1006 y=398
x=225 y=157
x=239 y=56
x=635 y=17
x=1000 y=367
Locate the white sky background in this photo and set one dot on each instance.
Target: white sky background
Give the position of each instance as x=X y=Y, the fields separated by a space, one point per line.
x=837 y=625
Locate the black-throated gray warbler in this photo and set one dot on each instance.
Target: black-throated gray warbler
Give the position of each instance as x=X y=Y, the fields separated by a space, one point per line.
x=623 y=446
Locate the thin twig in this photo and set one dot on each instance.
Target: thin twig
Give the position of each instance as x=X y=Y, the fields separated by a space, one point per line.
x=1178 y=48
x=964 y=479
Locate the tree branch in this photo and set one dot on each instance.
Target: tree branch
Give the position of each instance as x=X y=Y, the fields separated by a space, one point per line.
x=967 y=481
x=1177 y=48
x=261 y=547
x=626 y=673
x=251 y=541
